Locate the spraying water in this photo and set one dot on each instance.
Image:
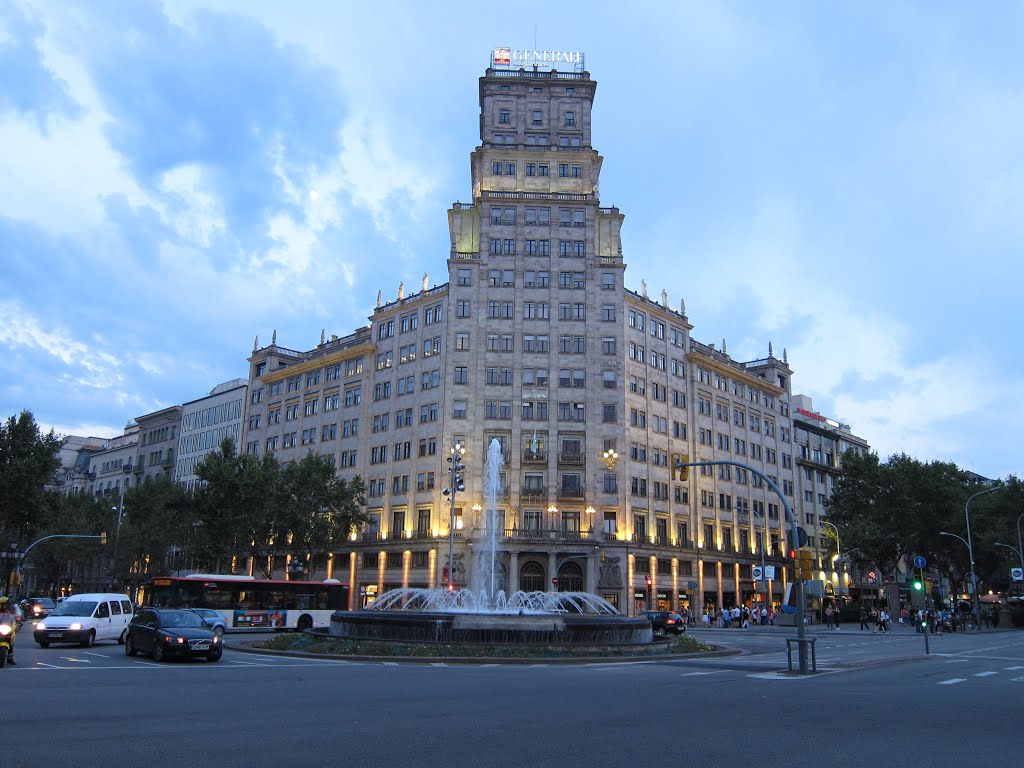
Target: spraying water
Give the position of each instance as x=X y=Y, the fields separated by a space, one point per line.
x=484 y=562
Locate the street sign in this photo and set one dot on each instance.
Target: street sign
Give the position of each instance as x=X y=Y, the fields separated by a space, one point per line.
x=872 y=576
x=1017 y=574
x=769 y=572
x=554 y=580
x=691 y=585
x=757 y=573
x=920 y=562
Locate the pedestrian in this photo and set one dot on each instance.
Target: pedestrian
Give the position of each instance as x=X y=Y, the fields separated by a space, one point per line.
x=829 y=623
x=864 y=618
x=764 y=616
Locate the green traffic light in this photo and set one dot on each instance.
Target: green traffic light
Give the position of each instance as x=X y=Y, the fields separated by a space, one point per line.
x=918 y=586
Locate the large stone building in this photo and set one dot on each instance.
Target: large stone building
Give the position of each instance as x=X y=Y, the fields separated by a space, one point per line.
x=593 y=391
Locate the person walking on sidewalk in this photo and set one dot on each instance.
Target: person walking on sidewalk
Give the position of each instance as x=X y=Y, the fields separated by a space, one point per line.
x=864 y=618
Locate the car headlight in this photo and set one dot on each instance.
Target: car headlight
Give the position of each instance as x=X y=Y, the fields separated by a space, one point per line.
x=216 y=639
x=41 y=625
x=76 y=626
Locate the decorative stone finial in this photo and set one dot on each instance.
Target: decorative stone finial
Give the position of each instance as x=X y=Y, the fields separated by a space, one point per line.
x=322 y=335
x=682 y=307
x=273 y=339
x=785 y=357
x=424 y=282
x=380 y=296
x=770 y=352
x=256 y=344
x=643 y=288
x=401 y=291
x=725 y=350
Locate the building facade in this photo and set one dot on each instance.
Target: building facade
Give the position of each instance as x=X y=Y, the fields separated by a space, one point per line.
x=593 y=391
x=206 y=423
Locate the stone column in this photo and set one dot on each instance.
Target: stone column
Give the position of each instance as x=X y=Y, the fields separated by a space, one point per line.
x=591 y=583
x=513 y=572
x=552 y=572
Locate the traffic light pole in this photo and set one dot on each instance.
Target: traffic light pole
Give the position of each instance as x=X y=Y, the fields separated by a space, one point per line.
x=21 y=558
x=798 y=584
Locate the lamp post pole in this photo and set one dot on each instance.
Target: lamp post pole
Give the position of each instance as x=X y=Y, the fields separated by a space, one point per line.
x=970 y=545
x=798 y=584
x=455 y=470
x=947 y=533
x=1020 y=548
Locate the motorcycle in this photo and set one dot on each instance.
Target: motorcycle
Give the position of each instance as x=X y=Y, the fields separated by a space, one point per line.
x=7 y=630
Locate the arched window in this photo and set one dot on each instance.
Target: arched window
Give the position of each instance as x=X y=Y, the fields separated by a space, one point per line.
x=570 y=578
x=531 y=577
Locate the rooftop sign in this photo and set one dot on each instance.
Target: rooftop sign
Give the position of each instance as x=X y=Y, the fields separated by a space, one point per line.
x=515 y=58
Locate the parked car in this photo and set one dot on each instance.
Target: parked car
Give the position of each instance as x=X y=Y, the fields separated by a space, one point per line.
x=214 y=618
x=165 y=633
x=37 y=607
x=663 y=622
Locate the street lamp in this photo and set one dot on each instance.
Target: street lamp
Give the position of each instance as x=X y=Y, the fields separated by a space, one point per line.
x=838 y=557
x=947 y=533
x=1020 y=554
x=455 y=470
x=970 y=546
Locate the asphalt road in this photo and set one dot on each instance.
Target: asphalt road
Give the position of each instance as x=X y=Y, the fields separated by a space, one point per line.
x=878 y=701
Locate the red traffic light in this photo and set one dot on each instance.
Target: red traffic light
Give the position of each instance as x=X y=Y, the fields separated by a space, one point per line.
x=649 y=581
x=451 y=587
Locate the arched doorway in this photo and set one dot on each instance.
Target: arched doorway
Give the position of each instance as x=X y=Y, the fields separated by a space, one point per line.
x=570 y=578
x=531 y=577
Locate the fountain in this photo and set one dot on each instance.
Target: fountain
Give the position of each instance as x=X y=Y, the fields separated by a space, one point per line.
x=484 y=613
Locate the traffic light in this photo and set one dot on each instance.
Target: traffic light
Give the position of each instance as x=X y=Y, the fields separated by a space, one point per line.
x=103 y=538
x=918 y=585
x=680 y=472
x=802 y=565
x=650 y=581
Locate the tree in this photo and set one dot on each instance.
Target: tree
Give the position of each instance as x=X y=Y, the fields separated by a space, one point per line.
x=318 y=509
x=28 y=461
x=152 y=532
x=236 y=509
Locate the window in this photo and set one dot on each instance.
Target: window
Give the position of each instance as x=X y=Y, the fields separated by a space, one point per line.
x=570 y=119
x=504 y=117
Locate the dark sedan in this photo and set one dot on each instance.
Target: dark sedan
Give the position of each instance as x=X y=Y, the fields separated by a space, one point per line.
x=164 y=633
x=664 y=622
x=37 y=607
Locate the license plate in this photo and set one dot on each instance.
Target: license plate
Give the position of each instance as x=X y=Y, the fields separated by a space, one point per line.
x=55 y=634
x=201 y=647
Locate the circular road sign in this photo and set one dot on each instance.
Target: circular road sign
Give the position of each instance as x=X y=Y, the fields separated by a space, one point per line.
x=920 y=562
x=554 y=580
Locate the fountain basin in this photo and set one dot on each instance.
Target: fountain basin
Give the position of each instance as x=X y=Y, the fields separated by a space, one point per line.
x=491 y=629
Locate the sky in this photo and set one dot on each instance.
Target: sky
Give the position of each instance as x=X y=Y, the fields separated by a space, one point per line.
x=844 y=181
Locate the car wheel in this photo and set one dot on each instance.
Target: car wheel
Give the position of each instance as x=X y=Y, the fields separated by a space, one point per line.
x=158 y=651
x=124 y=636
x=304 y=623
x=129 y=647
x=89 y=639
x=215 y=655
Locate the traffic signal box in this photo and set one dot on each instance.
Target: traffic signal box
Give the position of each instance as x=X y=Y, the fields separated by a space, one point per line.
x=802 y=566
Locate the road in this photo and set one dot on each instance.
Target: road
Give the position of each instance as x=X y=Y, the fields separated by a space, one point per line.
x=877 y=701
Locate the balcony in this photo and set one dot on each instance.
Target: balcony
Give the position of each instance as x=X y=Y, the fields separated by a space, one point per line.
x=535 y=457
x=570 y=458
x=570 y=493
x=534 y=493
x=126 y=467
x=138 y=468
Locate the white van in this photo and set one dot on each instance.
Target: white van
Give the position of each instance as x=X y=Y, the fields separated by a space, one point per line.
x=84 y=619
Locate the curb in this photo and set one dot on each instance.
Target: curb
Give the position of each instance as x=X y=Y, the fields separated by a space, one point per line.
x=716 y=651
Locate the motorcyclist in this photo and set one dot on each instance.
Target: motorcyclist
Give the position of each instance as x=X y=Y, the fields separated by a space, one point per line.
x=9 y=616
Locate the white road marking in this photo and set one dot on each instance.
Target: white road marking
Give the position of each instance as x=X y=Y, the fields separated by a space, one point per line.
x=985 y=674
x=710 y=672
x=1013 y=669
x=97 y=655
x=953 y=681
x=1017 y=679
x=76 y=661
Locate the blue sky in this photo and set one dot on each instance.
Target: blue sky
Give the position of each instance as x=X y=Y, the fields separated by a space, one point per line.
x=845 y=181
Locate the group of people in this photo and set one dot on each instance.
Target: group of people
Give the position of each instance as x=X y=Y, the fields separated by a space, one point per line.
x=737 y=617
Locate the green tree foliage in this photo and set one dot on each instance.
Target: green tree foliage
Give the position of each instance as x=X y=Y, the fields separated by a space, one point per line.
x=252 y=506
x=28 y=460
x=318 y=509
x=899 y=508
x=152 y=531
